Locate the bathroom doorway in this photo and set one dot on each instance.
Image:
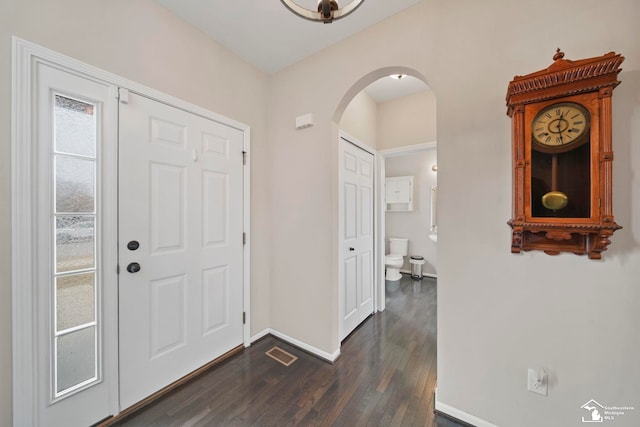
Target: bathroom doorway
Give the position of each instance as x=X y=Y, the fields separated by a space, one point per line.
x=417 y=220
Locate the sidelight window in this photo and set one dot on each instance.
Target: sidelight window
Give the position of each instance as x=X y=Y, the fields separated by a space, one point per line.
x=75 y=282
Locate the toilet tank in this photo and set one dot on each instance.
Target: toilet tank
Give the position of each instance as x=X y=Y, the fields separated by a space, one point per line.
x=398 y=246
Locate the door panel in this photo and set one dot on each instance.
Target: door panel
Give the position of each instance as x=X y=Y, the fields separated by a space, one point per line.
x=366 y=279
x=181 y=196
x=366 y=211
x=350 y=211
x=167 y=207
x=356 y=236
x=350 y=289
x=167 y=306
x=214 y=206
x=215 y=293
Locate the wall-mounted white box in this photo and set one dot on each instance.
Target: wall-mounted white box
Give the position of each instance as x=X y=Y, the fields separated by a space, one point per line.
x=305 y=121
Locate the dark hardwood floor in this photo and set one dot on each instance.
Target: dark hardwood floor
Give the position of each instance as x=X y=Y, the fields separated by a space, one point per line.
x=385 y=376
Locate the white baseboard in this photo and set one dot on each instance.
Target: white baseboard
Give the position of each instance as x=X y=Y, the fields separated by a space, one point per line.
x=461 y=415
x=259 y=335
x=304 y=346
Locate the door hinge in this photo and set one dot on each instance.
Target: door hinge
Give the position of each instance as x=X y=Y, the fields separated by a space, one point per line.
x=244 y=157
x=244 y=238
x=118 y=269
x=244 y=317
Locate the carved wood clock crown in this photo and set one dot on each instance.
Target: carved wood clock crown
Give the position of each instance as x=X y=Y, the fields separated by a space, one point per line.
x=562 y=156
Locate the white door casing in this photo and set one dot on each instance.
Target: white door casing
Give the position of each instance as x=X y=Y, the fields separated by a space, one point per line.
x=356 y=237
x=181 y=195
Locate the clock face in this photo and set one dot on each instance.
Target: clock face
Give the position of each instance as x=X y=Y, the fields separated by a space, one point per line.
x=560 y=125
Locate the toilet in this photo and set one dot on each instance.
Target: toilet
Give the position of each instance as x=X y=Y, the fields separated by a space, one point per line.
x=398 y=249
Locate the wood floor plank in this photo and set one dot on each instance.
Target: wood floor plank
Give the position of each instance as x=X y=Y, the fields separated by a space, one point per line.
x=385 y=376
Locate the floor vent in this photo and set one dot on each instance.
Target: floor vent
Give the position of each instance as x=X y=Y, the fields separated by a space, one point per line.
x=278 y=354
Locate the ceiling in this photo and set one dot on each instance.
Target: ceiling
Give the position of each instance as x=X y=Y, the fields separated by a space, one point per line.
x=386 y=88
x=266 y=34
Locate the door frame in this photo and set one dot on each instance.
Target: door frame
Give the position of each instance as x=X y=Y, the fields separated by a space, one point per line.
x=342 y=135
x=381 y=208
x=25 y=57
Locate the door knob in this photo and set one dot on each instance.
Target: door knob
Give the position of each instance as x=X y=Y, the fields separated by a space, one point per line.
x=351 y=249
x=134 y=267
x=133 y=245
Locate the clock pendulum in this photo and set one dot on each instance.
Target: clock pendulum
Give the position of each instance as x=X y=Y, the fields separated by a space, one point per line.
x=554 y=199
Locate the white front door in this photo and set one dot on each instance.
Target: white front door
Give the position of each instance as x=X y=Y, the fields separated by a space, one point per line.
x=356 y=236
x=180 y=244
x=75 y=262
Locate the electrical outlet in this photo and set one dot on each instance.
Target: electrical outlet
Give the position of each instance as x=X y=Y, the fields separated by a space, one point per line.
x=537 y=381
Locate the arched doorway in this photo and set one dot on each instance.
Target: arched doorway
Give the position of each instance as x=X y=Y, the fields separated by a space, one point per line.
x=366 y=115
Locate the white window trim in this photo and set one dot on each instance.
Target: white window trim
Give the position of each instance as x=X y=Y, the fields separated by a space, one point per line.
x=25 y=55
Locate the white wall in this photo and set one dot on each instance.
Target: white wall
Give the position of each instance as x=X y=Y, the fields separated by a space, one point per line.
x=498 y=313
x=141 y=41
x=408 y=120
x=414 y=225
x=360 y=119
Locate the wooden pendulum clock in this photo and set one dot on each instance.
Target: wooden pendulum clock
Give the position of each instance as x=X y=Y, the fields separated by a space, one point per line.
x=562 y=156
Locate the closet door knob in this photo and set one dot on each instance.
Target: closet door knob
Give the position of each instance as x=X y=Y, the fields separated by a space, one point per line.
x=351 y=249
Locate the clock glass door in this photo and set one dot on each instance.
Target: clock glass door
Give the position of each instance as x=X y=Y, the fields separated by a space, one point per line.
x=561 y=183
x=560 y=161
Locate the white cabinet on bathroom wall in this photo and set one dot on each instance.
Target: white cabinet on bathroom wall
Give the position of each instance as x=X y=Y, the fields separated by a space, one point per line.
x=399 y=193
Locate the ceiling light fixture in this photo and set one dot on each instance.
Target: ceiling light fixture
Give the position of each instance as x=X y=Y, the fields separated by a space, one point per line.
x=328 y=10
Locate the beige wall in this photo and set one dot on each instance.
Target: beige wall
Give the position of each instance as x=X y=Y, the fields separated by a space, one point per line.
x=141 y=41
x=498 y=313
x=408 y=120
x=360 y=119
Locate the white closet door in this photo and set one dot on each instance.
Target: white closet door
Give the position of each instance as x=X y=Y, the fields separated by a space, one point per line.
x=180 y=244
x=356 y=236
